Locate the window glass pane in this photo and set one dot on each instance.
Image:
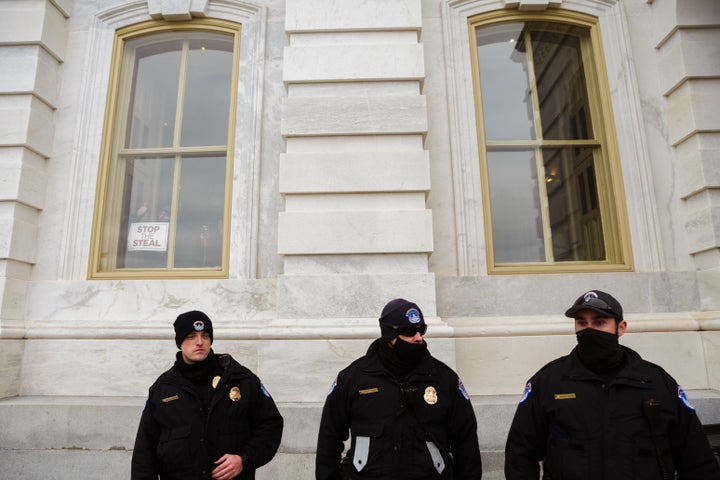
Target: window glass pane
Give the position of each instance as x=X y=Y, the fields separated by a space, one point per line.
x=200 y=212
x=515 y=204
x=575 y=218
x=506 y=97
x=151 y=116
x=562 y=92
x=207 y=91
x=147 y=198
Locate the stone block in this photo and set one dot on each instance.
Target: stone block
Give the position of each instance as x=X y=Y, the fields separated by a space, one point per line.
x=27 y=121
x=23 y=176
x=354 y=115
x=34 y=22
x=692 y=108
x=338 y=63
x=333 y=232
x=354 y=172
x=352 y=15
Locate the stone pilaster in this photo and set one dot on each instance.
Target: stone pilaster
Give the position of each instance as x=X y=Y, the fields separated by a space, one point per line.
x=689 y=50
x=32 y=47
x=355 y=231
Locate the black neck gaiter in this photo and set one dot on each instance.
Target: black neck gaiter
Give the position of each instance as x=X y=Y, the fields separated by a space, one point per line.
x=197 y=372
x=401 y=358
x=598 y=349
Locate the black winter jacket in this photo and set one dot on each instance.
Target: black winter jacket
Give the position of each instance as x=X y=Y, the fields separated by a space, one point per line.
x=584 y=429
x=399 y=417
x=179 y=440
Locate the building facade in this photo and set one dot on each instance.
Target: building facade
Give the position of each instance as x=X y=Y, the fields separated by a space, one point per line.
x=288 y=167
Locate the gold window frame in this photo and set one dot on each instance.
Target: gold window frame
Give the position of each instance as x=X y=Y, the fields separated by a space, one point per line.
x=616 y=231
x=108 y=187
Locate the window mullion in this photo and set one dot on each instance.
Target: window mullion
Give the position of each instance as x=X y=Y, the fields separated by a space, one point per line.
x=181 y=94
x=539 y=162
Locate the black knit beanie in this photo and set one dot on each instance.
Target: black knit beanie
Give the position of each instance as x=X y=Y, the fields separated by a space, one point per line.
x=193 y=321
x=399 y=313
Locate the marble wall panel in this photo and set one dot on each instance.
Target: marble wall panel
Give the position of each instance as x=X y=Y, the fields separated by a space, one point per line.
x=109 y=308
x=354 y=172
x=359 y=115
x=11 y=354
x=382 y=263
x=337 y=63
x=502 y=365
x=332 y=232
x=12 y=301
x=711 y=348
x=108 y=367
x=677 y=352
x=352 y=15
x=350 y=296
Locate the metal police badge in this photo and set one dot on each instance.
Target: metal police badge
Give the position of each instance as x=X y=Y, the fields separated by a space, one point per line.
x=215 y=381
x=430 y=395
x=235 y=394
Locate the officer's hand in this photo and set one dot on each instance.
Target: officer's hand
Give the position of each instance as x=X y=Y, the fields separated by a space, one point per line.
x=228 y=466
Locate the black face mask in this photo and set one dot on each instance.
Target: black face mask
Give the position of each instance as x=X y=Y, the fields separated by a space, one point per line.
x=402 y=357
x=410 y=354
x=598 y=349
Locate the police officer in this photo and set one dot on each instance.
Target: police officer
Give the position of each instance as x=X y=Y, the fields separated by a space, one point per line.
x=207 y=416
x=604 y=413
x=408 y=413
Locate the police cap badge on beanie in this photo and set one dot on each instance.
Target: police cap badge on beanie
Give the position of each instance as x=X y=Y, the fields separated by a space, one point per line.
x=598 y=301
x=189 y=322
x=401 y=317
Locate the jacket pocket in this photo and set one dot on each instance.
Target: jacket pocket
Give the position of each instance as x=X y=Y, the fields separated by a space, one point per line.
x=174 y=447
x=367 y=446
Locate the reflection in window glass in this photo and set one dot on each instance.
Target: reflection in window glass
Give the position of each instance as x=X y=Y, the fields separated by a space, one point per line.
x=516 y=214
x=165 y=198
x=539 y=143
x=154 y=95
x=506 y=100
x=573 y=207
x=207 y=93
x=561 y=84
x=200 y=220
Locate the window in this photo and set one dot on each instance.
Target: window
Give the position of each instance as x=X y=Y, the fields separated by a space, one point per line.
x=165 y=175
x=552 y=196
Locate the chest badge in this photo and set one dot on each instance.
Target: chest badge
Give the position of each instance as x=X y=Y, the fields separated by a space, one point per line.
x=430 y=395
x=235 y=394
x=215 y=381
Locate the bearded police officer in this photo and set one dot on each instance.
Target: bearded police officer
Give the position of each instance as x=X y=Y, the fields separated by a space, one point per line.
x=207 y=416
x=604 y=413
x=408 y=414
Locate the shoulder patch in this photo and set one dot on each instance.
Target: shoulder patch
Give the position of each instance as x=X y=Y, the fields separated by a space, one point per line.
x=461 y=387
x=684 y=399
x=332 y=387
x=526 y=393
x=264 y=390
